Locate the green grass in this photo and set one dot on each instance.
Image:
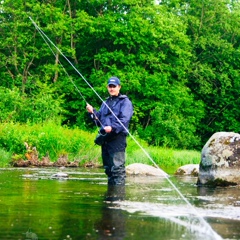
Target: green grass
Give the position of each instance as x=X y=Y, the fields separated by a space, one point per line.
x=167 y=159
x=55 y=140
x=4 y=158
x=49 y=139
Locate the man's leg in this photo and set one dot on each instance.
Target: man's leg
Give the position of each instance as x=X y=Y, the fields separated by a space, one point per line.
x=114 y=165
x=118 y=169
x=107 y=161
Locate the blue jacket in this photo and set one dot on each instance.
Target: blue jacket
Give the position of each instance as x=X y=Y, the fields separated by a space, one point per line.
x=122 y=108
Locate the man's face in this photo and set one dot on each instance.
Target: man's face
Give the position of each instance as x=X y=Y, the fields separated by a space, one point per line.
x=113 y=90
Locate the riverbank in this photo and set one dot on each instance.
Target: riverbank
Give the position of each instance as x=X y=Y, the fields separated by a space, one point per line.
x=54 y=141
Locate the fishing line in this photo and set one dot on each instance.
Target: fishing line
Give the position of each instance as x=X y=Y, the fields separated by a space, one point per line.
x=44 y=36
x=62 y=67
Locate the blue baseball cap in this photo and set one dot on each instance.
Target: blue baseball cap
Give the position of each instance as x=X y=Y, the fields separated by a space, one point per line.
x=114 y=81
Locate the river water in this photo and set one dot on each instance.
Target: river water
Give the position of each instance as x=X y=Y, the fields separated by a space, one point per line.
x=34 y=204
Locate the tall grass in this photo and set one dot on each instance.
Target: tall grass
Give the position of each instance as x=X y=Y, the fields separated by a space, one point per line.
x=49 y=139
x=4 y=158
x=54 y=140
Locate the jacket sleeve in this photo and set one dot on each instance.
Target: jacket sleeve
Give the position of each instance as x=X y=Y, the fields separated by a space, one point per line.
x=125 y=115
x=95 y=116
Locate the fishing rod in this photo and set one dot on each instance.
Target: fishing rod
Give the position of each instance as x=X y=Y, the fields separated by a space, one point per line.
x=216 y=236
x=44 y=36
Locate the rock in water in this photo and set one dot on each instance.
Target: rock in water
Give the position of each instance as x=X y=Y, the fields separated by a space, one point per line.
x=60 y=175
x=144 y=169
x=220 y=160
x=189 y=169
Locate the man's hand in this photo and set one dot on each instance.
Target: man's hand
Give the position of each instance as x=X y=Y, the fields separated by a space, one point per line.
x=89 y=108
x=108 y=129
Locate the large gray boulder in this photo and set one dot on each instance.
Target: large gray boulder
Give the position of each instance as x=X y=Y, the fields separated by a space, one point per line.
x=220 y=160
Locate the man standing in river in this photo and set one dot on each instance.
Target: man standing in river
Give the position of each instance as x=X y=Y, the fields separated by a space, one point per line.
x=114 y=117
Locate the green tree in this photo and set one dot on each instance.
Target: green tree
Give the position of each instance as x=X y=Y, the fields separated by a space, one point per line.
x=10 y=104
x=27 y=62
x=35 y=108
x=214 y=77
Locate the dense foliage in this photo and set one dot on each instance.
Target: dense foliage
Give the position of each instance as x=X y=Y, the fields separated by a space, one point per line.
x=178 y=61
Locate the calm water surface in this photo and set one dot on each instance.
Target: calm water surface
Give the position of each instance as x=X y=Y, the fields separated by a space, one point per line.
x=35 y=205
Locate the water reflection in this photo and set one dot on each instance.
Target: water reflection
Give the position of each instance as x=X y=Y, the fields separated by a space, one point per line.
x=115 y=193
x=221 y=207
x=31 y=235
x=112 y=223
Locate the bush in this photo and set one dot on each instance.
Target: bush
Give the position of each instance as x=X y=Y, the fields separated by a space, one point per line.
x=36 y=108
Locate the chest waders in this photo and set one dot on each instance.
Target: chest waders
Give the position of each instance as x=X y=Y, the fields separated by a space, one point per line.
x=113 y=156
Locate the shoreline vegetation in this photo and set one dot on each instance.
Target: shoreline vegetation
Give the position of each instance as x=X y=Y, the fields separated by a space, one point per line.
x=55 y=142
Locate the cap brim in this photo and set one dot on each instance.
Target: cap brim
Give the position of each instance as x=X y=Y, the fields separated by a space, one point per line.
x=115 y=84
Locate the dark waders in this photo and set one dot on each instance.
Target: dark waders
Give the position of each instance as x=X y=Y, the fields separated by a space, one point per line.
x=113 y=155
